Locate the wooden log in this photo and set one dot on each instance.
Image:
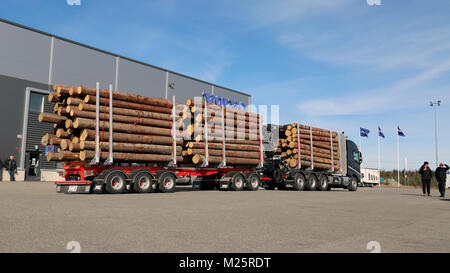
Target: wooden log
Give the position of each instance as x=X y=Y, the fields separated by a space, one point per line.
x=51 y=118
x=61 y=133
x=83 y=123
x=125 y=119
x=126 y=112
x=198 y=159
x=228 y=153
x=74 y=101
x=228 y=121
x=129 y=105
x=74 y=147
x=63 y=90
x=201 y=138
x=53 y=97
x=81 y=90
x=237 y=147
x=131 y=147
x=294 y=162
x=55 y=141
x=63 y=156
x=46 y=139
x=129 y=157
x=88 y=134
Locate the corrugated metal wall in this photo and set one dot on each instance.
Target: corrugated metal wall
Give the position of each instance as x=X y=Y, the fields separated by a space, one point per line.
x=35 y=133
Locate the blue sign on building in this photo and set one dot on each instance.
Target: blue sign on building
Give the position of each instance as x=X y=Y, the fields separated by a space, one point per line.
x=217 y=100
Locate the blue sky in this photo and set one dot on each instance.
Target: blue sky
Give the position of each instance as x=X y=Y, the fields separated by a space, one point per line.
x=339 y=64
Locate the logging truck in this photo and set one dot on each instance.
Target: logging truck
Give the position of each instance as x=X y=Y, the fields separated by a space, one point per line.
x=137 y=146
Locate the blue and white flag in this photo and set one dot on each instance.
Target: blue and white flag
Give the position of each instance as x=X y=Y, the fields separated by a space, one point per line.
x=399 y=131
x=364 y=132
x=380 y=133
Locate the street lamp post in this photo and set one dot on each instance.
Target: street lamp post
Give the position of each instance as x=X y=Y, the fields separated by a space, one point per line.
x=437 y=104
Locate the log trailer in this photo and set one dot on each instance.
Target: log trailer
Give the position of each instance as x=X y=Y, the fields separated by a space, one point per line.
x=272 y=172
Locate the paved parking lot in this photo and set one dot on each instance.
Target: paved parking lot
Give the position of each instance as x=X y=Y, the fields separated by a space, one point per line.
x=33 y=218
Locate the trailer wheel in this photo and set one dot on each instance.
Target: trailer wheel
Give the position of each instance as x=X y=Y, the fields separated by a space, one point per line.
x=115 y=183
x=143 y=183
x=299 y=182
x=237 y=182
x=353 y=186
x=253 y=182
x=167 y=182
x=311 y=182
x=323 y=183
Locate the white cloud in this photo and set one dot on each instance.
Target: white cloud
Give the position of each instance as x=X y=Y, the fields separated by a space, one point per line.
x=403 y=94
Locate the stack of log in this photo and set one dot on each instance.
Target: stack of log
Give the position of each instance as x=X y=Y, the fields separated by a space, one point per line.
x=238 y=131
x=325 y=147
x=142 y=126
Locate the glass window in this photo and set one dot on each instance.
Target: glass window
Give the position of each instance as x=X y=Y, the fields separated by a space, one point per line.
x=356 y=156
x=36 y=102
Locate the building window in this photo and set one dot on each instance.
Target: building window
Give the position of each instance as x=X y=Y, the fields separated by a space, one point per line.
x=36 y=102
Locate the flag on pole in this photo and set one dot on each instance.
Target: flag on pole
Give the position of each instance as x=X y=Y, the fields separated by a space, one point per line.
x=400 y=132
x=380 y=133
x=364 y=132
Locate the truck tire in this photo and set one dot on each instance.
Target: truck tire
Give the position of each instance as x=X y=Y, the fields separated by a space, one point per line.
x=311 y=182
x=143 y=182
x=253 y=182
x=353 y=185
x=237 y=182
x=115 y=183
x=299 y=182
x=322 y=185
x=167 y=182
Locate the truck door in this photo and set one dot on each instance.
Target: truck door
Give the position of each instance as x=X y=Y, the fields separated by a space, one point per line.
x=354 y=160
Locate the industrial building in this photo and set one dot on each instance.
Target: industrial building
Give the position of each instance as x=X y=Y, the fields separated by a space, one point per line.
x=32 y=61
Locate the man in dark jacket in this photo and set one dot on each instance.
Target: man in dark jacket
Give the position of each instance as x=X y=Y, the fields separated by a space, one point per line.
x=11 y=167
x=441 y=176
x=426 y=174
x=1 y=170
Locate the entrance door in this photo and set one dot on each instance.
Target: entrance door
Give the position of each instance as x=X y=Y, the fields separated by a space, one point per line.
x=33 y=166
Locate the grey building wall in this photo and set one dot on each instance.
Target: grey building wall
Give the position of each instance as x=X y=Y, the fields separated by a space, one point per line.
x=24 y=54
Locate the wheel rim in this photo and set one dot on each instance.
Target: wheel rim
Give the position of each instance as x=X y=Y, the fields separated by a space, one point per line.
x=324 y=183
x=238 y=182
x=254 y=182
x=300 y=182
x=144 y=182
x=313 y=182
x=168 y=182
x=117 y=183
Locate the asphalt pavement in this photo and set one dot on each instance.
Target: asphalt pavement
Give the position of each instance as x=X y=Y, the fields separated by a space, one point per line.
x=34 y=218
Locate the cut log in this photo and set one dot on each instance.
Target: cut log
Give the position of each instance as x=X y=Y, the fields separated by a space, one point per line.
x=81 y=90
x=129 y=105
x=129 y=157
x=124 y=119
x=51 y=118
x=228 y=153
x=88 y=134
x=131 y=147
x=198 y=159
x=126 y=112
x=242 y=147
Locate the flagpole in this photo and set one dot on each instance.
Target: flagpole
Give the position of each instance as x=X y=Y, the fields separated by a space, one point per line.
x=360 y=143
x=398 y=158
x=379 y=161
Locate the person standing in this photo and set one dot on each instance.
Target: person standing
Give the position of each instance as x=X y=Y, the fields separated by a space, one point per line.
x=426 y=174
x=441 y=176
x=11 y=167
